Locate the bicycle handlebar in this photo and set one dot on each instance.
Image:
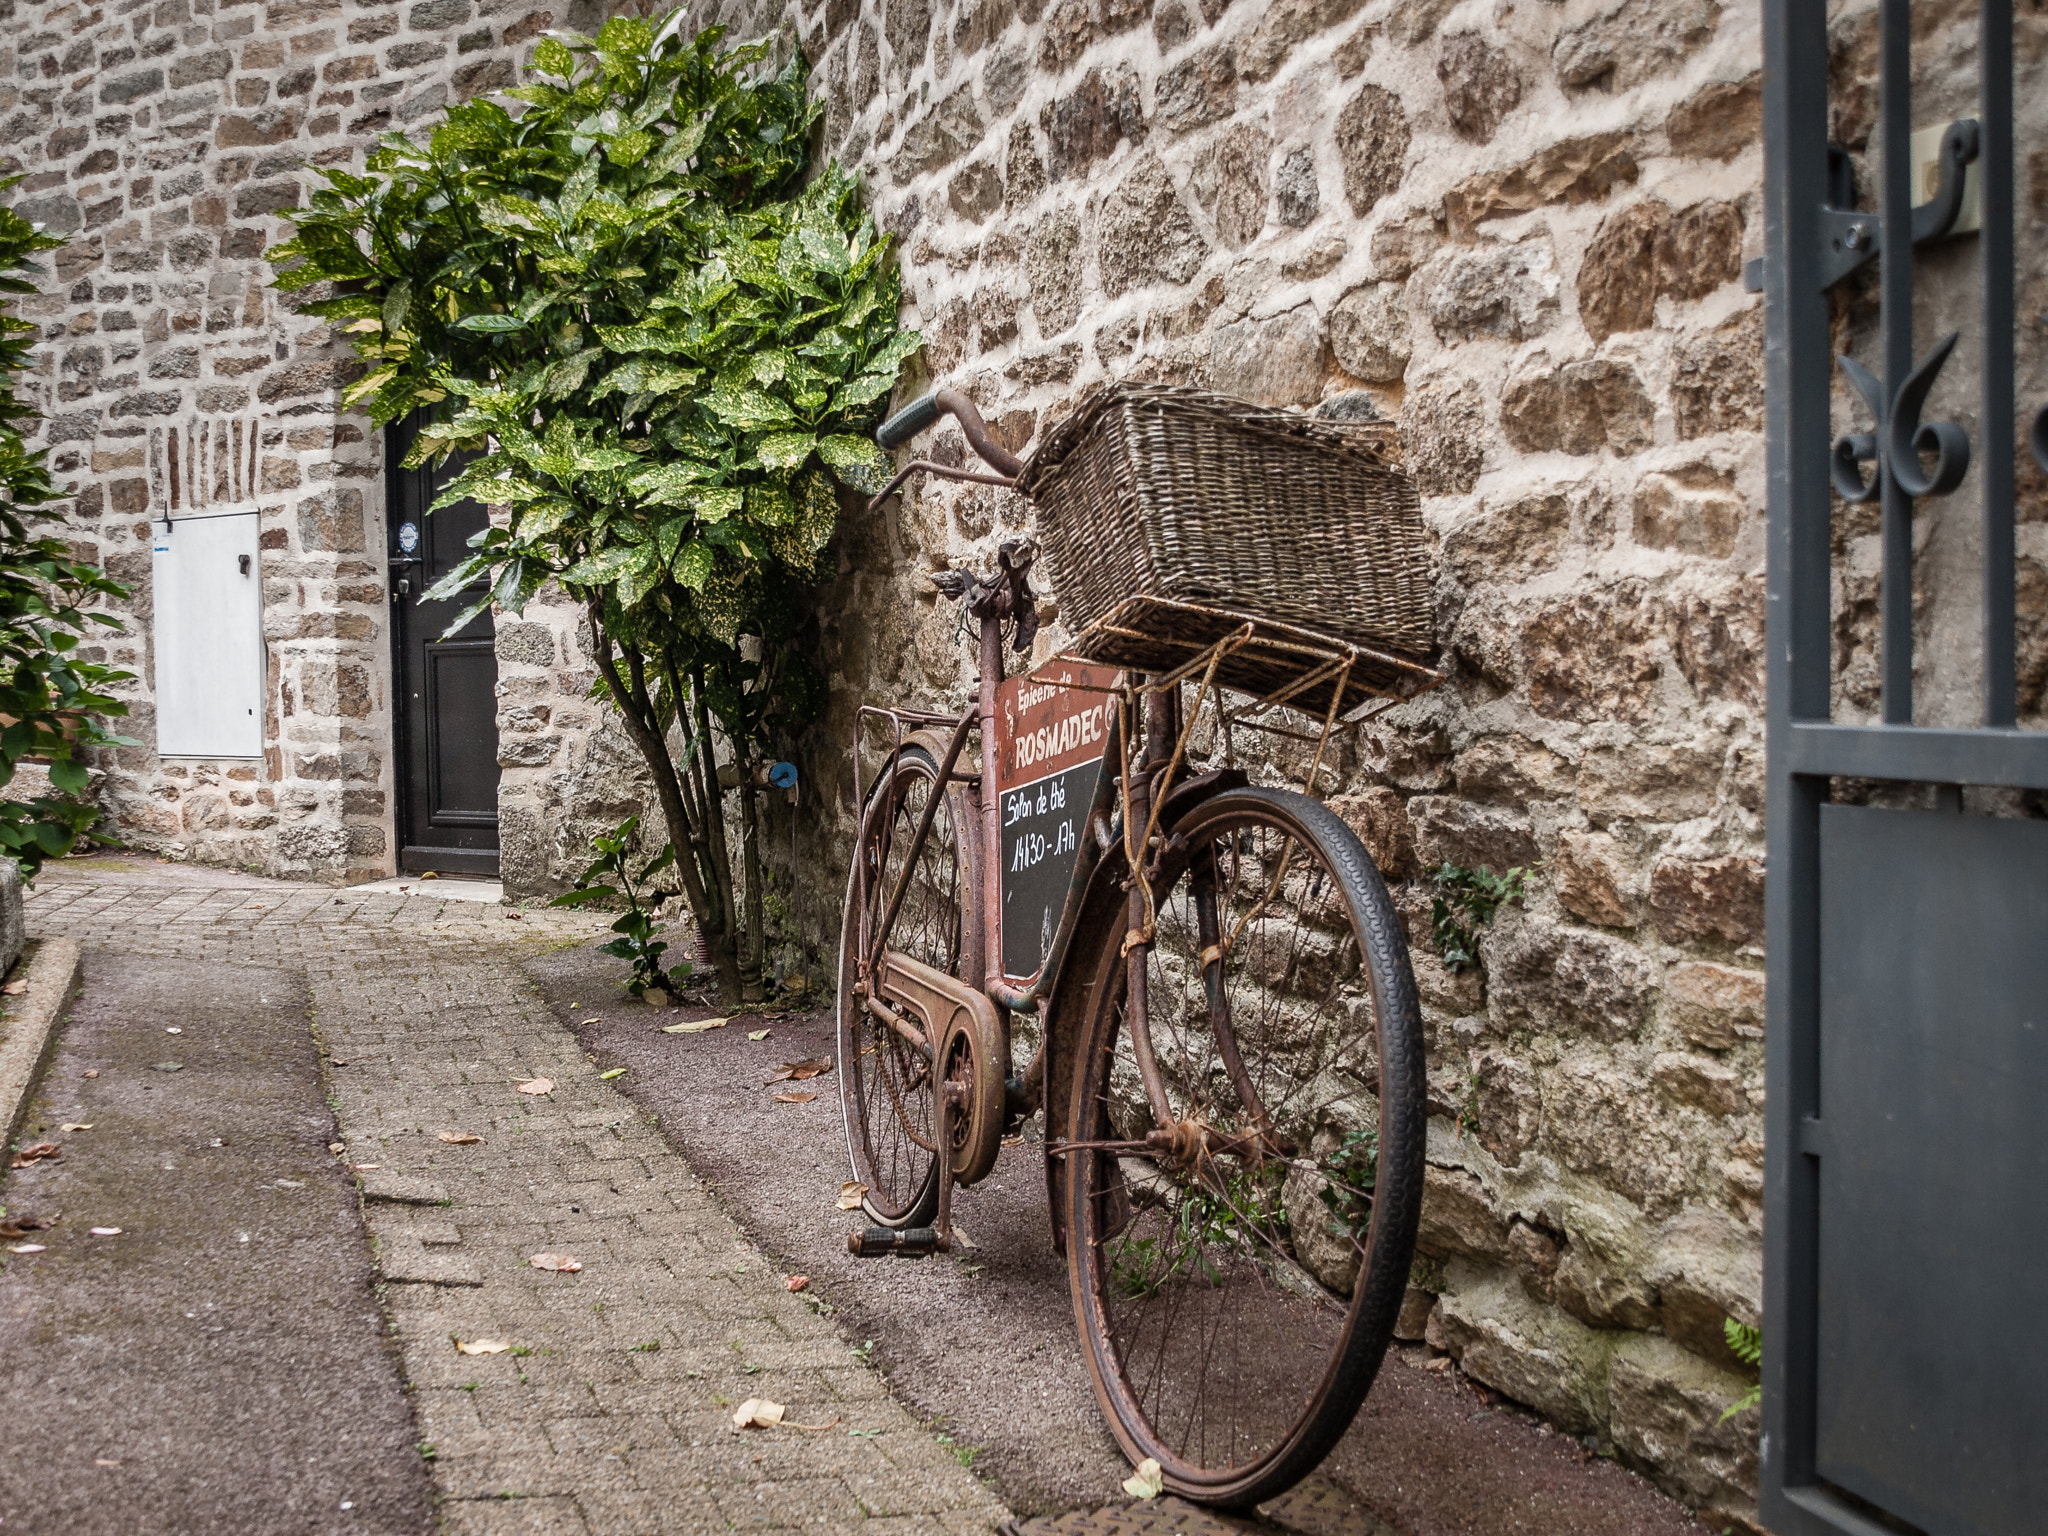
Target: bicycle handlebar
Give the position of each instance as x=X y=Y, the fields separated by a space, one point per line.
x=908 y=422
x=919 y=414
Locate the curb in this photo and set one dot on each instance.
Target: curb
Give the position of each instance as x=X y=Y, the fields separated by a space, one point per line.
x=29 y=1028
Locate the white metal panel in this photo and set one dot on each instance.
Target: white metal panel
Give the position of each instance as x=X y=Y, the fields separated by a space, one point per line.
x=208 y=633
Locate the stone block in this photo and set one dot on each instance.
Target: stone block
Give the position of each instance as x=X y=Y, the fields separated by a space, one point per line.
x=1444 y=435
x=1665 y=1408
x=1596 y=654
x=1533 y=1353
x=1584 y=169
x=13 y=928
x=1481 y=85
x=1380 y=820
x=1199 y=90
x=1707 y=1268
x=1459 y=1218
x=1714 y=1006
x=1242 y=185
x=1454 y=831
x=1709 y=900
x=1717 y=382
x=332 y=521
x=1269 y=362
x=1506 y=291
x=1147 y=234
x=1566 y=980
x=1691 y=509
x=1595 y=879
x=1504 y=541
x=1718 y=121
x=1630 y=42
x=1369 y=333
x=1373 y=136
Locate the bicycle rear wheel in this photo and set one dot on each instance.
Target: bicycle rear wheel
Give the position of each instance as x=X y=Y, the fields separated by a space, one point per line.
x=1237 y=1272
x=885 y=1081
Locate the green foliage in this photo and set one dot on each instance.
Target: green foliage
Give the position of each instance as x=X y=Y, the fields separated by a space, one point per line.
x=636 y=941
x=49 y=692
x=1465 y=902
x=1748 y=1346
x=1350 y=1176
x=665 y=351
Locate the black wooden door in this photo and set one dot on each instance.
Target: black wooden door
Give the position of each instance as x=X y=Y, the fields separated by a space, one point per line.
x=446 y=728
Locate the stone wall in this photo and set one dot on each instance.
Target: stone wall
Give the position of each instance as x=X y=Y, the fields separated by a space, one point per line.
x=1517 y=230
x=163 y=137
x=1515 y=227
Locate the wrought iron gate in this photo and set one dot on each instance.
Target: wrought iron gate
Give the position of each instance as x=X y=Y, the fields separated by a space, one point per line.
x=1906 y=1281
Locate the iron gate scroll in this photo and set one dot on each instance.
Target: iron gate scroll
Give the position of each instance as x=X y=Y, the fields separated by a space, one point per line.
x=1906 y=1206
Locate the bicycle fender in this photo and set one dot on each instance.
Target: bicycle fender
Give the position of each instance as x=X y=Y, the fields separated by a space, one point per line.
x=1191 y=792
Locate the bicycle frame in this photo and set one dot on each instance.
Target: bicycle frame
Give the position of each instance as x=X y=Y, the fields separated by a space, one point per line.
x=1146 y=786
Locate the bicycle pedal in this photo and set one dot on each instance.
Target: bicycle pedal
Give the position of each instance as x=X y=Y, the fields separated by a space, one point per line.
x=880 y=1242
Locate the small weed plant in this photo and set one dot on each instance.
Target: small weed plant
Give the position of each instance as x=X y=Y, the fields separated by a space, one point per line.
x=635 y=929
x=1748 y=1345
x=1466 y=900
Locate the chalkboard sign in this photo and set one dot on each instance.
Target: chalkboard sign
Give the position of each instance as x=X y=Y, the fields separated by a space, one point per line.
x=1053 y=734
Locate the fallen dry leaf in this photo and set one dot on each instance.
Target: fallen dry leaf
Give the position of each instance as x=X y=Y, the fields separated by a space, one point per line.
x=26 y=1248
x=460 y=1138
x=76 y=1125
x=106 y=1231
x=101 y=1461
x=538 y=1085
x=14 y=988
x=1146 y=1482
x=514 y=917
x=757 y=1413
x=794 y=1098
x=93 y=1073
x=757 y=1034
x=430 y=875
x=694 y=1027
x=798 y=1282
x=364 y=1167
x=482 y=1346
x=815 y=1066
x=594 y=1019
x=605 y=1077
x=560 y=1262
x=850 y=1195
x=35 y=1154
x=172 y=1029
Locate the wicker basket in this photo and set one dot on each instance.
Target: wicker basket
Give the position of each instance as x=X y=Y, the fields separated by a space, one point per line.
x=1157 y=491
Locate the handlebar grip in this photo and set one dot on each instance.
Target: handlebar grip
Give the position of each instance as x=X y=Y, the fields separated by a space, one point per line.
x=909 y=421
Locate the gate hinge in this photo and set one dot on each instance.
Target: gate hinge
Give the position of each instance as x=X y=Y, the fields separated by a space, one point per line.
x=1812 y=1136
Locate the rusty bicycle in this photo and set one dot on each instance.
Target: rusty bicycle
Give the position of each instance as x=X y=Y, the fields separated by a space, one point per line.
x=1227 y=1043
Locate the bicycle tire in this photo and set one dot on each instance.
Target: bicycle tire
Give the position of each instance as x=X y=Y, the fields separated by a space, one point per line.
x=1247 y=1236
x=885 y=1107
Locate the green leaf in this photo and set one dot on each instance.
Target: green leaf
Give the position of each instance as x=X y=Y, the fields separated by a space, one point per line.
x=856 y=461
x=786 y=450
x=552 y=58
x=693 y=565
x=602 y=567
x=747 y=409
x=493 y=324
x=717 y=505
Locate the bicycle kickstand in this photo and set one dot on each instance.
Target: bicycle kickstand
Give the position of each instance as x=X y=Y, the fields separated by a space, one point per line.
x=917 y=1242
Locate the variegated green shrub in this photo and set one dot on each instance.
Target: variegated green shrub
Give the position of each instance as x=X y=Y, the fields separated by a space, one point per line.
x=661 y=350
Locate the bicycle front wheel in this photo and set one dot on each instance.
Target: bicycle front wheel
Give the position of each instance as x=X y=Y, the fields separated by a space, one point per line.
x=885 y=1081
x=1238 y=1262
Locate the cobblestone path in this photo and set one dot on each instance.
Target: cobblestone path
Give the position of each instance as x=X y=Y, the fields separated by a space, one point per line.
x=613 y=1411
